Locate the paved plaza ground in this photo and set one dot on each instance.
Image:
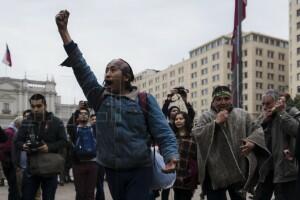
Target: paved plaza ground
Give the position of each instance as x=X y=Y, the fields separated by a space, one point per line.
x=67 y=192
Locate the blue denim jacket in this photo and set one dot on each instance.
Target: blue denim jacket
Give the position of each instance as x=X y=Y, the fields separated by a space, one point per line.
x=123 y=139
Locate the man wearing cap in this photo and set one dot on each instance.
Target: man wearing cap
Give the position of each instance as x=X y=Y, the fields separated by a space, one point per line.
x=225 y=136
x=123 y=130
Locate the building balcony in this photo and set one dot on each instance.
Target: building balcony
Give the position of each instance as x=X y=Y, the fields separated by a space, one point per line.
x=6 y=111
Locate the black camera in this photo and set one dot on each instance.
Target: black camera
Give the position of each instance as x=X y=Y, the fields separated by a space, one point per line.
x=33 y=142
x=180 y=90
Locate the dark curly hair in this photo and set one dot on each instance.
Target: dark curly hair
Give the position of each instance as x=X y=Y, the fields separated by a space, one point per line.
x=188 y=122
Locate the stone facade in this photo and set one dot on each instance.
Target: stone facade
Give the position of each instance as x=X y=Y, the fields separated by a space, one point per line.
x=14 y=95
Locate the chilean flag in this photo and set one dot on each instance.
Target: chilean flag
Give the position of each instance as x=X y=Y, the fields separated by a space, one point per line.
x=7 y=59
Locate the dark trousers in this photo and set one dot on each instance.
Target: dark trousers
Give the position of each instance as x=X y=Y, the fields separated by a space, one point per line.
x=100 y=180
x=85 y=179
x=32 y=183
x=282 y=191
x=9 y=171
x=220 y=194
x=133 y=184
x=180 y=194
x=165 y=194
x=298 y=182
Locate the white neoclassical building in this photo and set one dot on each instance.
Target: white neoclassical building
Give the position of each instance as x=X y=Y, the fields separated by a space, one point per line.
x=14 y=95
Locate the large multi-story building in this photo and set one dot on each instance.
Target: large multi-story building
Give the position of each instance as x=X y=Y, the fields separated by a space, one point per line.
x=294 y=47
x=14 y=95
x=265 y=66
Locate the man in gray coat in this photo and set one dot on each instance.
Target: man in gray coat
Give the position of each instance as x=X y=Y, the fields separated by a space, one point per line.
x=224 y=137
x=279 y=174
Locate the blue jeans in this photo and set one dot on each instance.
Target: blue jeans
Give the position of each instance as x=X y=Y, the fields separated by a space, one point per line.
x=32 y=183
x=133 y=184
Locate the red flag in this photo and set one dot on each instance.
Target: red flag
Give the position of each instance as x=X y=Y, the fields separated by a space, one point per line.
x=235 y=29
x=7 y=59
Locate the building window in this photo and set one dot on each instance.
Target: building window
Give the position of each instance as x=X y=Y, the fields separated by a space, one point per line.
x=298 y=63
x=150 y=82
x=194 y=85
x=144 y=85
x=156 y=88
x=181 y=79
x=259 y=85
x=194 y=94
x=258 y=51
x=194 y=75
x=270 y=86
x=194 y=65
x=246 y=107
x=164 y=94
x=228 y=54
x=245 y=74
x=281 y=56
x=258 y=74
x=258 y=63
x=204 y=102
x=245 y=97
x=229 y=76
x=215 y=67
x=281 y=78
x=215 y=56
x=204 y=71
x=258 y=97
x=245 y=53
x=298 y=77
x=156 y=79
x=150 y=90
x=6 y=109
x=204 y=81
x=172 y=73
x=180 y=70
x=258 y=108
x=281 y=88
x=172 y=83
x=298 y=25
x=298 y=38
x=298 y=51
x=270 y=65
x=164 y=77
x=245 y=64
x=216 y=78
x=204 y=61
x=204 y=91
x=228 y=65
x=270 y=76
x=298 y=12
x=164 y=85
x=281 y=67
x=270 y=54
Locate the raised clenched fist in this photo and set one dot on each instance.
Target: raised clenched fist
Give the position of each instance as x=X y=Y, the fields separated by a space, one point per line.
x=62 y=20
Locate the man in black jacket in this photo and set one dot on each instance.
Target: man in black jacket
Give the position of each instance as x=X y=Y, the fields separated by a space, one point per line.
x=41 y=133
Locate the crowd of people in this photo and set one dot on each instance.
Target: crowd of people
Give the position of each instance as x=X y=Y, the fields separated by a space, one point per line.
x=225 y=151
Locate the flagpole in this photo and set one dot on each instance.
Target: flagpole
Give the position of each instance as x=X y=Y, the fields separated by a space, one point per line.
x=239 y=57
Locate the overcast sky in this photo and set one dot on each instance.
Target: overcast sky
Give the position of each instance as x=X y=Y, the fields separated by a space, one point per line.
x=146 y=33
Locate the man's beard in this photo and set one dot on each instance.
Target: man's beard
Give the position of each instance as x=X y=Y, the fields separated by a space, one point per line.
x=38 y=116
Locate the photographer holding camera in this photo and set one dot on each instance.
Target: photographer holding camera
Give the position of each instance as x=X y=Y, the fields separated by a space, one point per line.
x=42 y=135
x=176 y=94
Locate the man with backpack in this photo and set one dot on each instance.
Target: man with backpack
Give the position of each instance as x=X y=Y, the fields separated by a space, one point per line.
x=123 y=130
x=84 y=157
